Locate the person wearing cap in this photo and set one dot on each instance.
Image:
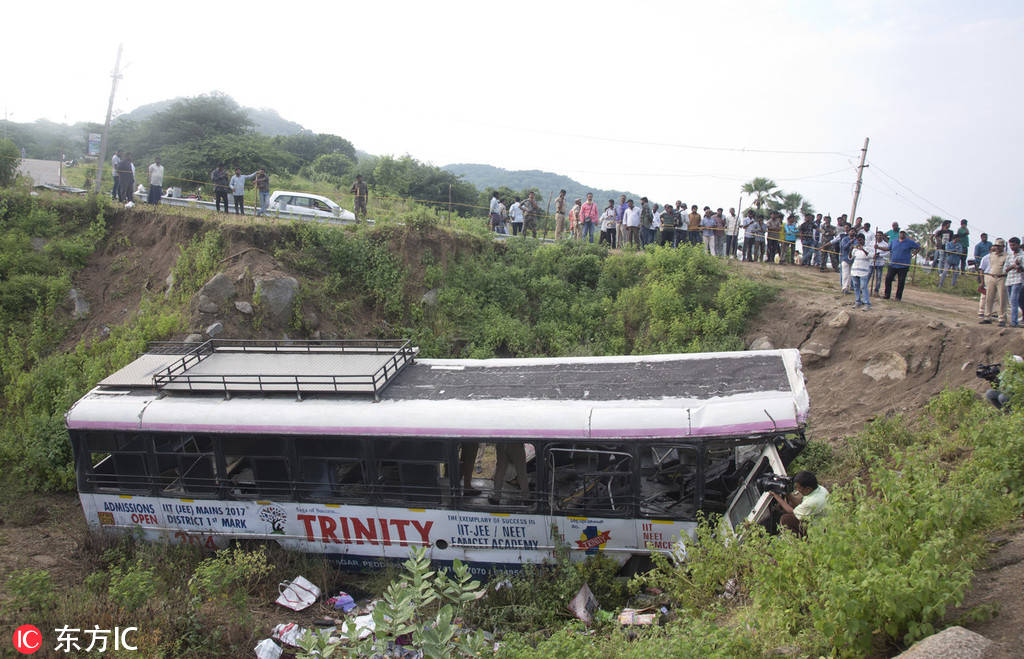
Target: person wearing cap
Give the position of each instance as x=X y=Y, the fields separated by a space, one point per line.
x=901 y=253
x=1013 y=268
x=995 y=283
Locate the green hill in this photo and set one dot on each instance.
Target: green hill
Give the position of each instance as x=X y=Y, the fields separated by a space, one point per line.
x=487 y=176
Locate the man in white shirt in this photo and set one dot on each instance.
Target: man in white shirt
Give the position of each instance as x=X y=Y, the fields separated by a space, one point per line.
x=156 y=181
x=115 y=192
x=237 y=184
x=631 y=218
x=515 y=211
x=808 y=502
x=732 y=230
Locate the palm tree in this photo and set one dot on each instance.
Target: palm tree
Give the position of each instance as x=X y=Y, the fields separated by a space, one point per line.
x=763 y=190
x=791 y=202
x=807 y=208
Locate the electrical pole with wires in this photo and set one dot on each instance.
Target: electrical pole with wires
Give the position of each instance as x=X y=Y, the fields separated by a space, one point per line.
x=860 y=177
x=106 y=125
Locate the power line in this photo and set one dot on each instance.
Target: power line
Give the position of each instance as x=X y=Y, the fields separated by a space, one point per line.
x=919 y=196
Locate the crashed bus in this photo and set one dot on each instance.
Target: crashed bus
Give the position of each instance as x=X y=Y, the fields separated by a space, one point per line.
x=352 y=449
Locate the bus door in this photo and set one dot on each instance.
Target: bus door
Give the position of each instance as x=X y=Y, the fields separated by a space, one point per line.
x=592 y=498
x=750 y=502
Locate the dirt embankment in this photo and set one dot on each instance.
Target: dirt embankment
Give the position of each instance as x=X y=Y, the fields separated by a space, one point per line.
x=915 y=348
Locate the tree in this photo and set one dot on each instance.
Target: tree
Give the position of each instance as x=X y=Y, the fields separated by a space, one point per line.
x=9 y=160
x=191 y=163
x=307 y=146
x=192 y=119
x=763 y=190
x=791 y=202
x=921 y=231
x=332 y=165
x=807 y=208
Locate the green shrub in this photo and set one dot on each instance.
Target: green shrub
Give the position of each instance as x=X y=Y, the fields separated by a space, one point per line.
x=231 y=576
x=132 y=586
x=31 y=591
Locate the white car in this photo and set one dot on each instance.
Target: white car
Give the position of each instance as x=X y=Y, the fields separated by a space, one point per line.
x=310 y=205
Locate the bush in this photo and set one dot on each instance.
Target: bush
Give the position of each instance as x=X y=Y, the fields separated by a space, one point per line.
x=31 y=591
x=131 y=587
x=231 y=575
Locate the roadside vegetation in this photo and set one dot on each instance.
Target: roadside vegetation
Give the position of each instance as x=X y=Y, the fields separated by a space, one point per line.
x=882 y=570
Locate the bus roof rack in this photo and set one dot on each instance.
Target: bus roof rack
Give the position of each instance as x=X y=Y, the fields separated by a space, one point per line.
x=351 y=366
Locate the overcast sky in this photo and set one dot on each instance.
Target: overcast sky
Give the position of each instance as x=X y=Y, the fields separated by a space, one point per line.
x=614 y=94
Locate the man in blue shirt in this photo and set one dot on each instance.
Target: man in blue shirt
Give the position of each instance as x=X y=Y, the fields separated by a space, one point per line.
x=981 y=250
x=901 y=254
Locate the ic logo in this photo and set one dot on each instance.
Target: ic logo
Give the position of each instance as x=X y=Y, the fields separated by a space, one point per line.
x=27 y=639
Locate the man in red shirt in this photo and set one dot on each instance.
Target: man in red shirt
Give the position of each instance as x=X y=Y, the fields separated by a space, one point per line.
x=588 y=216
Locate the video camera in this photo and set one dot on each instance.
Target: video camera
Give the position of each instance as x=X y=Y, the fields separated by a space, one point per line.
x=988 y=372
x=775 y=483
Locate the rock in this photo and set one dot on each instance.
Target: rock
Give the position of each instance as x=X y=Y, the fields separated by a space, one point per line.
x=81 y=307
x=934 y=324
x=219 y=289
x=276 y=296
x=886 y=365
x=170 y=285
x=964 y=367
x=206 y=305
x=310 y=320
x=762 y=343
x=840 y=320
x=194 y=338
x=214 y=330
x=315 y=335
x=38 y=243
x=951 y=643
x=813 y=351
x=243 y=307
x=430 y=297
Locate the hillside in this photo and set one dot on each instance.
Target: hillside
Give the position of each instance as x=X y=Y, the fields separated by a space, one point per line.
x=487 y=176
x=266 y=121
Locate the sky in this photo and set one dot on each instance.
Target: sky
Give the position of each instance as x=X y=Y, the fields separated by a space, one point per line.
x=672 y=100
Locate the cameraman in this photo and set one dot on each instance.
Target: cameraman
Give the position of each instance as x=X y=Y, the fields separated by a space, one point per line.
x=807 y=502
x=991 y=372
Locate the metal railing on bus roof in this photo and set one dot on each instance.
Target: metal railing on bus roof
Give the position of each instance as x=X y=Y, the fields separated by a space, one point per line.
x=398 y=353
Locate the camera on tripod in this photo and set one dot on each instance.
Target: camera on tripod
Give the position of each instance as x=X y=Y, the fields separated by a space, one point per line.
x=775 y=483
x=988 y=372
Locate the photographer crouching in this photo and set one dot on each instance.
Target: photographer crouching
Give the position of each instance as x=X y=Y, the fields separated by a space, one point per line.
x=807 y=501
x=992 y=373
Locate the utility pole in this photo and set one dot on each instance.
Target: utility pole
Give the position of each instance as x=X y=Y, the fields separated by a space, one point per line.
x=860 y=176
x=106 y=125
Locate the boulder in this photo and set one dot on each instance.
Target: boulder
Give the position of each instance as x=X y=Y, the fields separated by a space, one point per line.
x=80 y=306
x=950 y=643
x=886 y=366
x=194 y=338
x=276 y=296
x=840 y=320
x=206 y=305
x=214 y=330
x=310 y=320
x=762 y=343
x=243 y=307
x=219 y=289
x=813 y=351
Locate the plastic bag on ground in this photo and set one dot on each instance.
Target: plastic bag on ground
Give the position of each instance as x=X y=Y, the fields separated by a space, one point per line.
x=297 y=594
x=267 y=649
x=288 y=633
x=361 y=626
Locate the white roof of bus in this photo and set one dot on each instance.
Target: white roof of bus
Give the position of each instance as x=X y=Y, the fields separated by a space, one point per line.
x=690 y=395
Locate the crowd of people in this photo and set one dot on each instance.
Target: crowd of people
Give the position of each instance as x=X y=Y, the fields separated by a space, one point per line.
x=867 y=261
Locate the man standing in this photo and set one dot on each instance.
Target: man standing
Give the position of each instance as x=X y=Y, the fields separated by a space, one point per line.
x=720 y=225
x=221 y=185
x=515 y=211
x=807 y=239
x=981 y=250
x=668 y=226
x=646 y=219
x=1014 y=270
x=732 y=230
x=237 y=184
x=893 y=234
x=560 y=215
x=262 y=190
x=773 y=227
x=620 y=225
x=531 y=213
x=901 y=253
x=126 y=178
x=709 y=225
x=681 y=220
x=749 y=223
x=115 y=192
x=360 y=195
x=156 y=181
x=589 y=215
x=631 y=218
x=942 y=236
x=495 y=212
x=693 y=225
x=995 y=283
x=827 y=249
x=963 y=236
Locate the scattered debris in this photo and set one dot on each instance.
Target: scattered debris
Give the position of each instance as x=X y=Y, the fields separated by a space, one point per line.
x=268 y=649
x=361 y=626
x=630 y=617
x=297 y=594
x=288 y=633
x=584 y=605
x=342 y=601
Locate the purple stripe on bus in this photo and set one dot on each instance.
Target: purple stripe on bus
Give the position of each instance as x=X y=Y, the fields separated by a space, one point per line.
x=740 y=428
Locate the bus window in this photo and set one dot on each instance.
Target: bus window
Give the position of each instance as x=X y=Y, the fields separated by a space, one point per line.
x=256 y=466
x=185 y=464
x=668 y=482
x=332 y=469
x=119 y=461
x=591 y=479
x=724 y=471
x=410 y=471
